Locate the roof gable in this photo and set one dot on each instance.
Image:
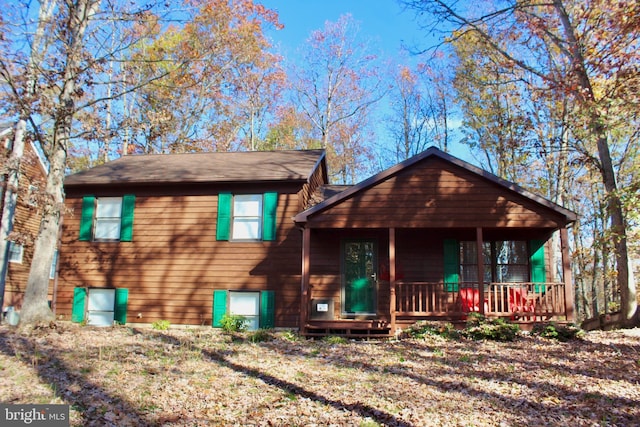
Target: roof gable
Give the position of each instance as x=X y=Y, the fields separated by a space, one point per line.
x=371 y=191
x=203 y=168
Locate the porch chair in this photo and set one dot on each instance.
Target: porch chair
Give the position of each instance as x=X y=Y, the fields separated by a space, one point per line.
x=520 y=303
x=470 y=301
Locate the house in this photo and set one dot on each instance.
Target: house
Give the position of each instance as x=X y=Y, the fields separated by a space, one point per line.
x=21 y=221
x=187 y=237
x=191 y=237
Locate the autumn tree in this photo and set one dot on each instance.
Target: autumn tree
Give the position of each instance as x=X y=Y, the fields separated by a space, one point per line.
x=335 y=87
x=51 y=91
x=594 y=45
x=222 y=85
x=25 y=87
x=495 y=123
x=290 y=130
x=420 y=111
x=52 y=63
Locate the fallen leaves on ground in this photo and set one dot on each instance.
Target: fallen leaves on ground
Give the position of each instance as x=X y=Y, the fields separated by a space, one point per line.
x=137 y=376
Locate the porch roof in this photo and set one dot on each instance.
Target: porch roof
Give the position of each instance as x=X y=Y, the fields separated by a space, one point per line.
x=432 y=152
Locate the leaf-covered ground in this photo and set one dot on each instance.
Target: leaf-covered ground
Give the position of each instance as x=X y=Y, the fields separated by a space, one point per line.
x=138 y=376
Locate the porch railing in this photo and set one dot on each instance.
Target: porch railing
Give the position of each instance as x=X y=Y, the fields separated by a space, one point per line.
x=519 y=301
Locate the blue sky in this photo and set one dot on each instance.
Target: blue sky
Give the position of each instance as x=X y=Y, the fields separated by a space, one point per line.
x=382 y=21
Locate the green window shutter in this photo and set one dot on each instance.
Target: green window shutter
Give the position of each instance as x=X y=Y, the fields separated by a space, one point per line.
x=120 y=310
x=219 y=307
x=537 y=264
x=267 y=309
x=451 y=265
x=223 y=225
x=269 y=206
x=77 y=309
x=126 y=218
x=86 y=220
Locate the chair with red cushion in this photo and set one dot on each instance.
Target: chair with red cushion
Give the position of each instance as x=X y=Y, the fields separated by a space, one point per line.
x=519 y=303
x=470 y=301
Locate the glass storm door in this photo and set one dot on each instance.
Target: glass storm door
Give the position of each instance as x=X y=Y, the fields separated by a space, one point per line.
x=360 y=268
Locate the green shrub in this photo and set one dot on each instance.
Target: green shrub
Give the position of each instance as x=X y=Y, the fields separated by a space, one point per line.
x=424 y=328
x=558 y=332
x=478 y=328
x=332 y=339
x=161 y=325
x=233 y=323
x=491 y=329
x=475 y=319
x=290 y=335
x=261 y=335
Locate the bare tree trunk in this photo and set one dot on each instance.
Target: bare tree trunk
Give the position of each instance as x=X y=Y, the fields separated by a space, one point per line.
x=35 y=308
x=45 y=13
x=10 y=200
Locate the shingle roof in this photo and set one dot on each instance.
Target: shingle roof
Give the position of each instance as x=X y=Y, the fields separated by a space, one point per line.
x=202 y=167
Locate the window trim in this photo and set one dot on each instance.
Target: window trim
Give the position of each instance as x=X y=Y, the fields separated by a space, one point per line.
x=259 y=219
x=253 y=319
x=12 y=257
x=88 y=219
x=268 y=223
x=54 y=265
x=32 y=196
x=107 y=219
x=266 y=310
x=491 y=268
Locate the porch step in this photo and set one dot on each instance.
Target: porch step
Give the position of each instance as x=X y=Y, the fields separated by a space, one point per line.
x=350 y=329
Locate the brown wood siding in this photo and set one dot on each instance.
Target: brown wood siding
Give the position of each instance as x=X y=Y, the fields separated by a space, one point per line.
x=317 y=180
x=26 y=224
x=435 y=194
x=174 y=262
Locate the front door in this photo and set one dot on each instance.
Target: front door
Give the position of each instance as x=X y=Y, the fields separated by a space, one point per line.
x=359 y=266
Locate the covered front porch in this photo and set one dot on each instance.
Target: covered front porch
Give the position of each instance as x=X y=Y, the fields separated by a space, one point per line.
x=432 y=237
x=385 y=280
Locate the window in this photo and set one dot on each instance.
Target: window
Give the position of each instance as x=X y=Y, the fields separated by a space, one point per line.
x=100 y=306
x=32 y=199
x=16 y=251
x=107 y=221
x=54 y=264
x=257 y=307
x=504 y=261
x=107 y=218
x=247 y=305
x=246 y=217
x=469 y=261
x=511 y=261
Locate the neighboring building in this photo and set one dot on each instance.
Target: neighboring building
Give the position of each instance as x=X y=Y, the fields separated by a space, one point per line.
x=24 y=223
x=190 y=237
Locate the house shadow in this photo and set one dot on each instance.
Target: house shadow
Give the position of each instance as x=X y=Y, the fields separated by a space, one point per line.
x=90 y=399
x=222 y=359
